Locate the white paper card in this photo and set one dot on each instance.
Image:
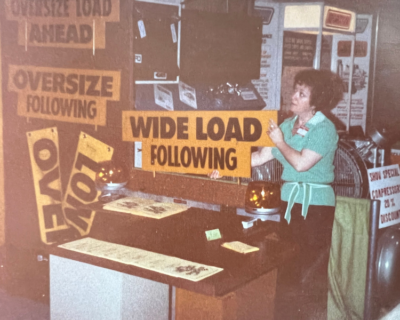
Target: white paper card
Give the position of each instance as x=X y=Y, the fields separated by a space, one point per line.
x=163 y=97
x=187 y=94
x=138 y=154
x=173 y=33
x=142 y=29
x=384 y=184
x=174 y=267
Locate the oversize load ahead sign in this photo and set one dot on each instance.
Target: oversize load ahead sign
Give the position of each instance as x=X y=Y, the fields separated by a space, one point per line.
x=62 y=23
x=198 y=141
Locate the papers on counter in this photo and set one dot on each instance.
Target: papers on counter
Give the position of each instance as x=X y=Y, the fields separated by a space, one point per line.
x=145 y=207
x=239 y=247
x=164 y=264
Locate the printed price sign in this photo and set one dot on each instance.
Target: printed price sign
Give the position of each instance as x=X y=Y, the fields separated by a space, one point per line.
x=384 y=184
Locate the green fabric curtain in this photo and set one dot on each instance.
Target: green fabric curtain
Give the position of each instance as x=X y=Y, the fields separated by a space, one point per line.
x=348 y=259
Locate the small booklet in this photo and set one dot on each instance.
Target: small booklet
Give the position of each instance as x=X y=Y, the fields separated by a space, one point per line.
x=239 y=247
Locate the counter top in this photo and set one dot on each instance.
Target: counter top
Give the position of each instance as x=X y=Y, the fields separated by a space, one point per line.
x=183 y=236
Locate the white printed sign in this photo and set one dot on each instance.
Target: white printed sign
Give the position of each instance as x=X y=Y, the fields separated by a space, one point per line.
x=163 y=97
x=187 y=94
x=384 y=185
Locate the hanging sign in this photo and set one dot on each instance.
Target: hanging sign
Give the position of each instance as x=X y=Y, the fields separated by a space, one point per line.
x=384 y=185
x=44 y=155
x=81 y=186
x=69 y=95
x=198 y=142
x=339 y=19
x=62 y=23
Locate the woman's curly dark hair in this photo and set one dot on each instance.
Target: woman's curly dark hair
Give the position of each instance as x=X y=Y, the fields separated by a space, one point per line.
x=326 y=87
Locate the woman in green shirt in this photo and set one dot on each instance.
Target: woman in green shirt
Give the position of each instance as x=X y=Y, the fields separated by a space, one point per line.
x=305 y=145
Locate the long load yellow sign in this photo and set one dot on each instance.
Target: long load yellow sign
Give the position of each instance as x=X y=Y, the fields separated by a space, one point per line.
x=198 y=141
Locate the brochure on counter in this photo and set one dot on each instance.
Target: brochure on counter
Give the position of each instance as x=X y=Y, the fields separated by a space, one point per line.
x=174 y=267
x=145 y=207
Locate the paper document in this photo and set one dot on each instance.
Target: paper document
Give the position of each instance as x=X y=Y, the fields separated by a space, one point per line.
x=239 y=247
x=145 y=207
x=174 y=267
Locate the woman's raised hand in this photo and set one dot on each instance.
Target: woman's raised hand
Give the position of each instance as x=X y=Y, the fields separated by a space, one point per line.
x=214 y=174
x=274 y=132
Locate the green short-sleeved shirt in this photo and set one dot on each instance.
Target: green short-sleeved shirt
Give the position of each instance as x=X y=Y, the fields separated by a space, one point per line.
x=321 y=138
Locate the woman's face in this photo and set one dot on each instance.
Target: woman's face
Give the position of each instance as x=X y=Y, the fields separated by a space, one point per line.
x=301 y=100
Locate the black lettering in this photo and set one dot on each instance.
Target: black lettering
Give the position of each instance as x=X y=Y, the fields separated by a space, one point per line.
x=141 y=128
x=153 y=155
x=167 y=122
x=199 y=156
x=176 y=158
x=46 y=82
x=20 y=79
x=170 y=164
x=86 y=7
x=60 y=33
x=58 y=82
x=200 y=135
x=186 y=160
x=46 y=180
x=72 y=34
x=107 y=6
x=91 y=111
x=81 y=178
x=43 y=161
x=94 y=80
x=96 y=8
x=233 y=130
x=66 y=107
x=55 y=105
x=85 y=33
x=51 y=210
x=219 y=158
x=74 y=215
x=35 y=34
x=216 y=136
x=82 y=84
x=106 y=85
x=248 y=123
x=162 y=160
x=48 y=33
x=81 y=109
x=182 y=128
x=210 y=158
x=83 y=160
x=72 y=83
x=230 y=162
x=34 y=81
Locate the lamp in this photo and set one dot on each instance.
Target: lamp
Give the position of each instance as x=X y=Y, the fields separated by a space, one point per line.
x=111 y=177
x=263 y=197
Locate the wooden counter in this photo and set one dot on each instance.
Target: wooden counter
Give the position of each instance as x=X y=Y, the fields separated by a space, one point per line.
x=230 y=294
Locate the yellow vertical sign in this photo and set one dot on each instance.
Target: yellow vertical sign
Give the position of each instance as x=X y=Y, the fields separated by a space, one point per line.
x=45 y=163
x=81 y=188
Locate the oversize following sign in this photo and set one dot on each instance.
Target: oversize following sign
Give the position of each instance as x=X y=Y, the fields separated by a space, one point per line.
x=68 y=95
x=198 y=141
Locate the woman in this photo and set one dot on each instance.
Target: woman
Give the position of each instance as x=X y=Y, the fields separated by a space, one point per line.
x=305 y=145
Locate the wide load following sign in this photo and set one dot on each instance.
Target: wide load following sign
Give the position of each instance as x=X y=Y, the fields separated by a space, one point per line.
x=198 y=141
x=384 y=184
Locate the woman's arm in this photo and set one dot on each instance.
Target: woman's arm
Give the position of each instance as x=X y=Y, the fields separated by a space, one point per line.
x=261 y=156
x=302 y=160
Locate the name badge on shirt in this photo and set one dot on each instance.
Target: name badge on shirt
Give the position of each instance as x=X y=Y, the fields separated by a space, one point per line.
x=302 y=131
